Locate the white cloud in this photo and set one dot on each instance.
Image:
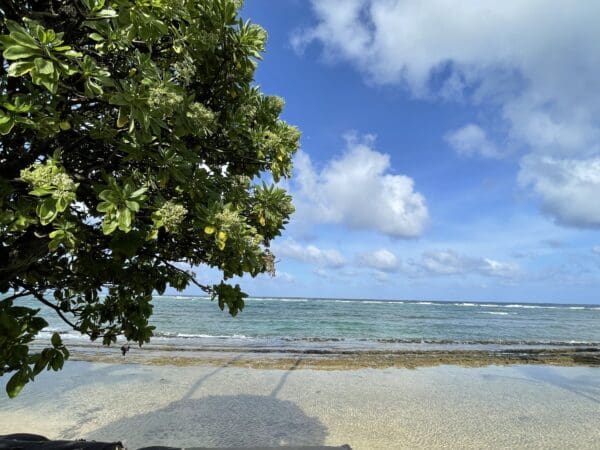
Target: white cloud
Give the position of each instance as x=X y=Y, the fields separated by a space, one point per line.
x=358 y=190
x=443 y=263
x=449 y=262
x=310 y=254
x=569 y=188
x=535 y=63
x=382 y=277
x=472 y=139
x=596 y=249
x=500 y=269
x=381 y=259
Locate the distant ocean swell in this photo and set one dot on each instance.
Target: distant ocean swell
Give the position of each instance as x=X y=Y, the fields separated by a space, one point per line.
x=414 y=302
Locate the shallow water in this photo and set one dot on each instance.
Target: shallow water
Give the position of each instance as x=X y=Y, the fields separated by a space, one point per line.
x=440 y=407
x=294 y=323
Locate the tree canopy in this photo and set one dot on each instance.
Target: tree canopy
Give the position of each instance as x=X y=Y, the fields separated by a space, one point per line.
x=133 y=144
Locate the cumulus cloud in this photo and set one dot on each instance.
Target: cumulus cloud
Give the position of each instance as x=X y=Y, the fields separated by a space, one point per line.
x=569 y=188
x=533 y=63
x=358 y=190
x=382 y=260
x=310 y=254
x=444 y=263
x=471 y=140
x=384 y=263
x=449 y=262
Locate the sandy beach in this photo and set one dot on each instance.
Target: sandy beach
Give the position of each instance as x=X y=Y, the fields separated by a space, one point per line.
x=226 y=405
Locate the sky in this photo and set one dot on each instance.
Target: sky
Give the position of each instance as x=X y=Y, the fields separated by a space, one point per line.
x=447 y=153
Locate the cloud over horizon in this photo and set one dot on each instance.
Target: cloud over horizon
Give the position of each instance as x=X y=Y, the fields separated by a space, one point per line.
x=449 y=262
x=311 y=254
x=532 y=66
x=381 y=259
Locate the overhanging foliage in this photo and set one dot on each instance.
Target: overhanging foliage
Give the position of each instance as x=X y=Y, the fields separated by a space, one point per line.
x=131 y=139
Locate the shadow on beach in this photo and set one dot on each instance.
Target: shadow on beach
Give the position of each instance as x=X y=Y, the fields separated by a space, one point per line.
x=220 y=421
x=585 y=387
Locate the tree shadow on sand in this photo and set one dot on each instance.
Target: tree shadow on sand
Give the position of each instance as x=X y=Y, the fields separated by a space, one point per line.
x=220 y=421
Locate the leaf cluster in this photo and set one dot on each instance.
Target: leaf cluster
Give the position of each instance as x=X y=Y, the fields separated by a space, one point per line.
x=18 y=327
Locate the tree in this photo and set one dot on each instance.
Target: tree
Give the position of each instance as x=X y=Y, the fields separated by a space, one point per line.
x=133 y=143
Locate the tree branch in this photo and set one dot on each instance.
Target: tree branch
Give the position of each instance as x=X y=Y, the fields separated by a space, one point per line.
x=39 y=297
x=204 y=287
x=15 y=296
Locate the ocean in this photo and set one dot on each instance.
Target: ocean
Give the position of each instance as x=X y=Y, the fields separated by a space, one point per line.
x=311 y=324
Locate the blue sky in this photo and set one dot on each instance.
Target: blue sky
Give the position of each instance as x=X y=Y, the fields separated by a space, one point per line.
x=447 y=153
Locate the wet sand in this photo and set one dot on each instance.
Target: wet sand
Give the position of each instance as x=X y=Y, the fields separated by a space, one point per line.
x=517 y=406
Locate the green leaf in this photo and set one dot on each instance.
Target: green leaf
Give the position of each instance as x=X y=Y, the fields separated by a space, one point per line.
x=67 y=70
x=44 y=66
x=46 y=208
x=24 y=39
x=40 y=365
x=54 y=244
x=109 y=195
x=24 y=121
x=107 y=13
x=92 y=89
x=19 y=52
x=124 y=218
x=73 y=54
x=20 y=68
x=109 y=226
x=138 y=192
x=15 y=384
x=56 y=340
x=7 y=126
x=49 y=83
x=40 y=192
x=96 y=37
x=57 y=361
x=56 y=234
x=122 y=118
x=62 y=203
x=132 y=206
x=38 y=323
x=104 y=207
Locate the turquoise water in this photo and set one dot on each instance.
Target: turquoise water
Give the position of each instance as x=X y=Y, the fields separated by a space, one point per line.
x=369 y=324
